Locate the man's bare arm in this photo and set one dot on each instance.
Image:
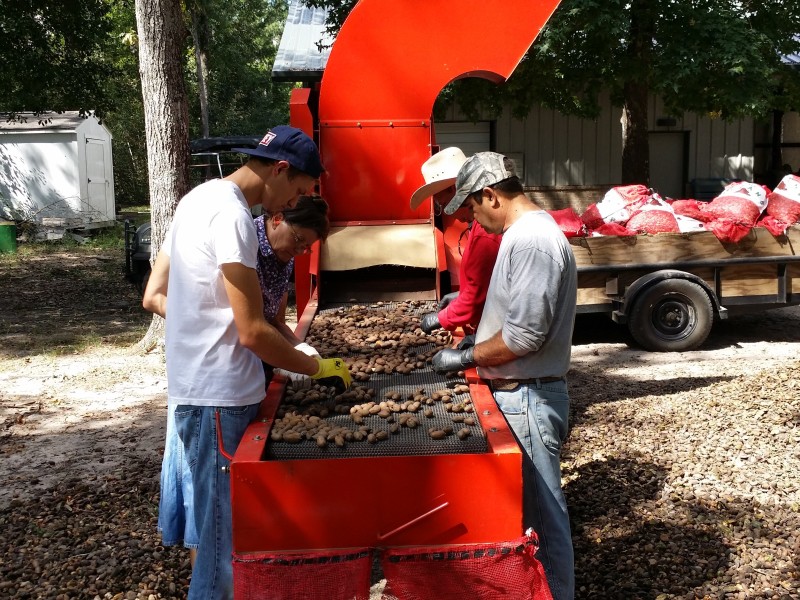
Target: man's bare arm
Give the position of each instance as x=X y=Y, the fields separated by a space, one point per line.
x=155 y=295
x=493 y=352
x=255 y=333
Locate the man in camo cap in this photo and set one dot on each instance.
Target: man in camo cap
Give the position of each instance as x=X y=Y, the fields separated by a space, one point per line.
x=523 y=345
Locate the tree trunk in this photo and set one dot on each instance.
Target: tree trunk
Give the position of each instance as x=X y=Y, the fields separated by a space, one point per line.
x=166 y=118
x=635 y=144
x=776 y=150
x=200 y=37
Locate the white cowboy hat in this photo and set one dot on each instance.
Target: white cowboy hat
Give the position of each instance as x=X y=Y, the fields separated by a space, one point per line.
x=439 y=172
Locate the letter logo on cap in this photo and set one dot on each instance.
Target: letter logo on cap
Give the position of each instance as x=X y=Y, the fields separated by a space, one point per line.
x=267 y=139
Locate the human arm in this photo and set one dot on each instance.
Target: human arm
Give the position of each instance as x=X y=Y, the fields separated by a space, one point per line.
x=279 y=322
x=155 y=294
x=446 y=300
x=263 y=339
x=476 y=271
x=493 y=351
x=430 y=321
x=299 y=380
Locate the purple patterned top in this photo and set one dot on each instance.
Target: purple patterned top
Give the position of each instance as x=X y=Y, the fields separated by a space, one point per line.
x=273 y=275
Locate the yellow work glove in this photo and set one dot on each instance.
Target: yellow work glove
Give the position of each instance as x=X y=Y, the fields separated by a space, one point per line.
x=332 y=371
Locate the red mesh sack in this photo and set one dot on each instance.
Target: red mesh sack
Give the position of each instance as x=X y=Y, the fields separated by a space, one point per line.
x=616 y=206
x=653 y=221
x=691 y=208
x=740 y=202
x=613 y=229
x=773 y=225
x=728 y=231
x=631 y=194
x=333 y=575
x=568 y=220
x=783 y=203
x=500 y=571
x=591 y=217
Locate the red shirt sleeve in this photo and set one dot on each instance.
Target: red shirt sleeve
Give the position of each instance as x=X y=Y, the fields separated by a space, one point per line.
x=476 y=272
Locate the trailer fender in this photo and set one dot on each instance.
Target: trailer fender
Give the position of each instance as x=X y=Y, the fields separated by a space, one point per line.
x=669 y=311
x=635 y=289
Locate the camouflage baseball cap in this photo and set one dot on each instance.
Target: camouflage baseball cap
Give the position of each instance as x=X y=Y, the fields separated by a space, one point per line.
x=482 y=169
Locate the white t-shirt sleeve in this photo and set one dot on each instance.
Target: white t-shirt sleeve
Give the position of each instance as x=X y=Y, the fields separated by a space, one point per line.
x=235 y=239
x=166 y=245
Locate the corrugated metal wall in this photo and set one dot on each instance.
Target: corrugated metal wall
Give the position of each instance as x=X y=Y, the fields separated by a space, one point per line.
x=562 y=151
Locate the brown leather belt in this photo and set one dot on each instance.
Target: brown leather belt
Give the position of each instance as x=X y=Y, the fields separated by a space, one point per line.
x=506 y=385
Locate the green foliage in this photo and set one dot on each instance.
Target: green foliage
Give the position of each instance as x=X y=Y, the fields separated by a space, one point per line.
x=84 y=54
x=124 y=114
x=52 y=54
x=243 y=43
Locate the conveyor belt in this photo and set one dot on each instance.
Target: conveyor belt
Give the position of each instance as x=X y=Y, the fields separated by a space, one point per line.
x=406 y=441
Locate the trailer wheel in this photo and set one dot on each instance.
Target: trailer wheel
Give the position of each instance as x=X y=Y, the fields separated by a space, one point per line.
x=671 y=316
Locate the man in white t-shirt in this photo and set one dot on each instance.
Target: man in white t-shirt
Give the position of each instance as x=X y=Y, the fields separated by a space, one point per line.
x=216 y=334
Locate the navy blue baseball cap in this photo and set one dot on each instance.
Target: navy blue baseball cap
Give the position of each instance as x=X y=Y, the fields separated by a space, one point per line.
x=289 y=144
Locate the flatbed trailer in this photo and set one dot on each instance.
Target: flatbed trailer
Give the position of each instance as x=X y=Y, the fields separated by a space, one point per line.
x=669 y=288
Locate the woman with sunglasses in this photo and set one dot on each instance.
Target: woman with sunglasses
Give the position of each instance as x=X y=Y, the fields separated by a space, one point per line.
x=281 y=237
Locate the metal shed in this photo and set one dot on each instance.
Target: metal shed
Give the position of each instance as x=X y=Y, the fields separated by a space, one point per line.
x=56 y=169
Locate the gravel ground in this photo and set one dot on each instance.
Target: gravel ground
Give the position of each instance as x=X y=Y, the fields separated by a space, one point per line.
x=682 y=471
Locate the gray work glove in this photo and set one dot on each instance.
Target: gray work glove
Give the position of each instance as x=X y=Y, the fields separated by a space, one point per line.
x=451 y=359
x=467 y=342
x=430 y=321
x=447 y=299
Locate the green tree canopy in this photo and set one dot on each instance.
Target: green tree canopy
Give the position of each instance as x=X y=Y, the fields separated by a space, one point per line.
x=51 y=54
x=243 y=38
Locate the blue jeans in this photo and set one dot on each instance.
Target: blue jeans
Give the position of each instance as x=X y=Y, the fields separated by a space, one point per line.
x=538 y=414
x=212 y=576
x=176 y=501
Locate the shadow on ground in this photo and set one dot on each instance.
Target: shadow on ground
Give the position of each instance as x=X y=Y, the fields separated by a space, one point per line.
x=65 y=301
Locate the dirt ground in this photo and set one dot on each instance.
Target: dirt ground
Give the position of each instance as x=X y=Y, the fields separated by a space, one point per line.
x=670 y=455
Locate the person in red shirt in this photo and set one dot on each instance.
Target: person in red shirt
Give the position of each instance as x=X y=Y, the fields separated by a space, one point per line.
x=477 y=247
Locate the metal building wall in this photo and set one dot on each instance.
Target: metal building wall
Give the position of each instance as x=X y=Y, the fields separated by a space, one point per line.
x=559 y=151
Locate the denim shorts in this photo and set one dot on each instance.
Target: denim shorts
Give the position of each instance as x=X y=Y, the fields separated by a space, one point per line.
x=175 y=513
x=538 y=414
x=212 y=576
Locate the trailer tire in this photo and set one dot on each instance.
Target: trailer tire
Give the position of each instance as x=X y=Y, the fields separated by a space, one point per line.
x=671 y=316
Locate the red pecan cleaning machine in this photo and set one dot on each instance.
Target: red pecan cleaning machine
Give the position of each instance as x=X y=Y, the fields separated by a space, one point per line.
x=371 y=117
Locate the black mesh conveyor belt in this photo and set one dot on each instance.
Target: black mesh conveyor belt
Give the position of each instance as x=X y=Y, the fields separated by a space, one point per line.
x=407 y=441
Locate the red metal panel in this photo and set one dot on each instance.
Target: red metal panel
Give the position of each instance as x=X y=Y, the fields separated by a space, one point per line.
x=301 y=113
x=392 y=58
x=388 y=64
x=302 y=279
x=298 y=505
x=372 y=171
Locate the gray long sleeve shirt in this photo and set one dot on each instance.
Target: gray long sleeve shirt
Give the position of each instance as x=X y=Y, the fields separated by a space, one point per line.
x=532 y=298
